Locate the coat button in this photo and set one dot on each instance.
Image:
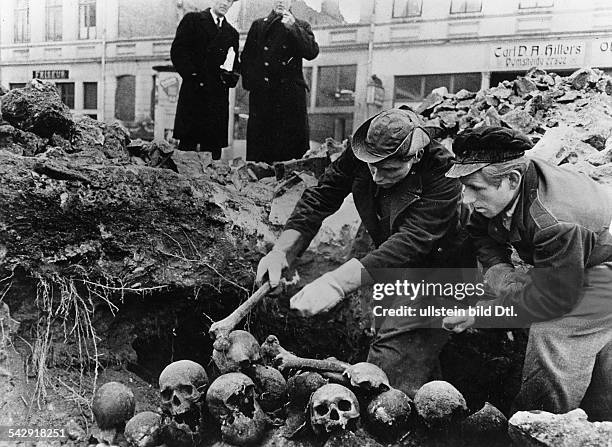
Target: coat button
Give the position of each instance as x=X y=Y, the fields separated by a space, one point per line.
x=267 y=79
x=266 y=64
x=266 y=48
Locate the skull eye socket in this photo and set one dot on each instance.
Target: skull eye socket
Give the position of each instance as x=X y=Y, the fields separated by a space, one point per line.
x=321 y=409
x=345 y=405
x=185 y=389
x=166 y=394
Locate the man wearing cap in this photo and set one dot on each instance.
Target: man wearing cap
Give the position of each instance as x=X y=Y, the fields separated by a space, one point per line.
x=411 y=211
x=560 y=222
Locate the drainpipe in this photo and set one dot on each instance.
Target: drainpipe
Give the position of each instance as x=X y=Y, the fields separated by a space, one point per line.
x=103 y=63
x=371 y=40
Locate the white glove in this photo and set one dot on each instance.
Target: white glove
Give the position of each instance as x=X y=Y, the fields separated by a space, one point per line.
x=273 y=264
x=328 y=290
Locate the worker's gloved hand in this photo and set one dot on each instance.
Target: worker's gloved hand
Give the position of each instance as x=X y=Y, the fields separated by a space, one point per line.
x=458 y=324
x=504 y=280
x=325 y=292
x=273 y=265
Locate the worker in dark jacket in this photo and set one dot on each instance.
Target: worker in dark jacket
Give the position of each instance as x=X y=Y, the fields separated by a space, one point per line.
x=409 y=208
x=200 y=49
x=559 y=222
x=272 y=73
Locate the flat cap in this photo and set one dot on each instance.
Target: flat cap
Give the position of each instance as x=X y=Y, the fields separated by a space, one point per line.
x=476 y=148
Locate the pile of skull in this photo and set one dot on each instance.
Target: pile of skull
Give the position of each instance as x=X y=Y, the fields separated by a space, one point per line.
x=267 y=396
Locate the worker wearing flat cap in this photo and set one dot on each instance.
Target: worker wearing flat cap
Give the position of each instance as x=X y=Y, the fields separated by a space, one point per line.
x=395 y=171
x=559 y=222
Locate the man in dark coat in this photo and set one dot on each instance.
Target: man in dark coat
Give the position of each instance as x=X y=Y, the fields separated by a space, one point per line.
x=411 y=211
x=272 y=73
x=203 y=40
x=560 y=222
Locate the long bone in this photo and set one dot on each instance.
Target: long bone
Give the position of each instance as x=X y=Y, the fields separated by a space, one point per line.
x=221 y=329
x=283 y=359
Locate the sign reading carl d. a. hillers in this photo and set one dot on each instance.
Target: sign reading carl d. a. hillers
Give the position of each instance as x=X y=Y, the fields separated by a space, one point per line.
x=543 y=54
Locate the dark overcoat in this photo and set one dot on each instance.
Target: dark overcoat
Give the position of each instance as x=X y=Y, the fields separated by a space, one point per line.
x=197 y=52
x=272 y=73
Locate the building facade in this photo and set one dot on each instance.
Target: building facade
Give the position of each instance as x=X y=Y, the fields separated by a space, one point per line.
x=101 y=53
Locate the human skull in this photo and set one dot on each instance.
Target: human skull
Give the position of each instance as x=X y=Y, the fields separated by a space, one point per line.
x=333 y=407
x=239 y=352
x=388 y=413
x=271 y=387
x=231 y=401
x=144 y=430
x=182 y=385
x=367 y=377
x=439 y=404
x=113 y=405
x=301 y=386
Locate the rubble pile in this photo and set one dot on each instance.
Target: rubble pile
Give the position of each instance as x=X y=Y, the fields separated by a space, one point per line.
x=569 y=118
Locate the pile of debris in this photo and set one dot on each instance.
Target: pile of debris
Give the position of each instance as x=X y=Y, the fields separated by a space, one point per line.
x=569 y=118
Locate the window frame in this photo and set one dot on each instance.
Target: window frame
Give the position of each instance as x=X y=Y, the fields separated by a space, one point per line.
x=337 y=85
x=536 y=6
x=466 y=11
x=53 y=6
x=85 y=104
x=68 y=100
x=86 y=30
x=21 y=7
x=407 y=13
x=423 y=82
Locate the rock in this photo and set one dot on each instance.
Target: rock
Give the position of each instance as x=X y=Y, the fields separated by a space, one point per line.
x=598 y=141
x=431 y=101
x=600 y=158
x=109 y=139
x=500 y=92
x=440 y=404
x=605 y=86
x=261 y=169
x=562 y=145
x=540 y=102
x=314 y=166
x=37 y=108
x=603 y=174
x=330 y=148
x=448 y=119
x=192 y=164
x=543 y=429
x=464 y=94
x=492 y=118
x=523 y=86
x=21 y=143
x=486 y=422
x=581 y=78
x=287 y=195
x=519 y=120
x=569 y=96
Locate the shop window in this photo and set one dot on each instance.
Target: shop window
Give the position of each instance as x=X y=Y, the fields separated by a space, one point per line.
x=465 y=6
x=407 y=8
x=416 y=88
x=325 y=125
x=53 y=20
x=336 y=85
x=528 y=4
x=22 y=21
x=125 y=98
x=87 y=19
x=14 y=85
x=66 y=91
x=90 y=95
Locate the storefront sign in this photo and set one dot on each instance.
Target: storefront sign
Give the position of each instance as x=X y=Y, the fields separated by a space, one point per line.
x=601 y=53
x=545 y=54
x=50 y=74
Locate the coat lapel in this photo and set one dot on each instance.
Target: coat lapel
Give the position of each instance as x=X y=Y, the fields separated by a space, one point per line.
x=209 y=25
